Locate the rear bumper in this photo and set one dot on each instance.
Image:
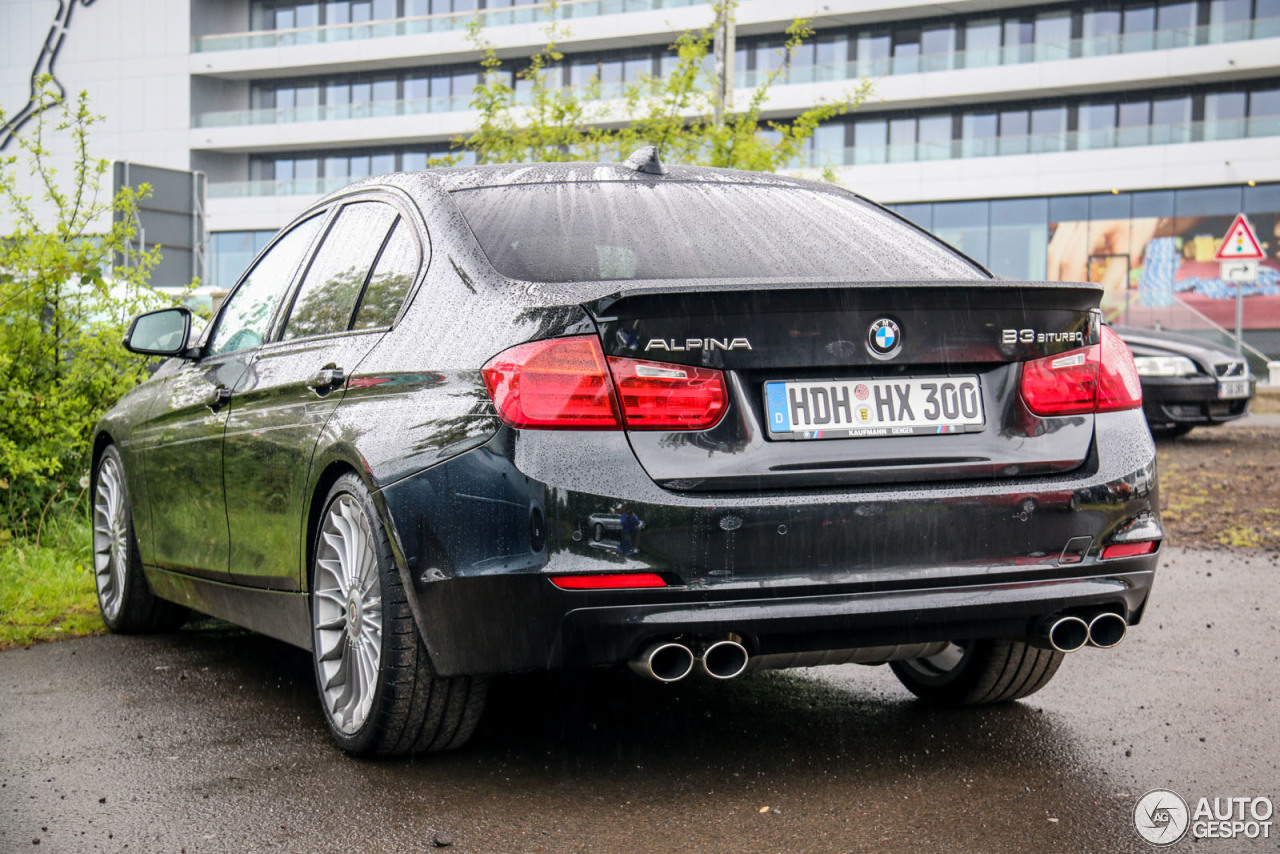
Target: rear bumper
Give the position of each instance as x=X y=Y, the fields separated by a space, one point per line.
x=1190 y=400
x=480 y=537
x=518 y=623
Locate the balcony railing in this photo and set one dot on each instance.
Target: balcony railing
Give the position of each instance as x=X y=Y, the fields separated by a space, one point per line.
x=959 y=149
x=289 y=187
x=448 y=21
x=797 y=74
x=333 y=112
x=866 y=155
x=1260 y=28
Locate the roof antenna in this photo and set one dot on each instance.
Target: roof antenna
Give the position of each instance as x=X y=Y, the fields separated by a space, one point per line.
x=645 y=159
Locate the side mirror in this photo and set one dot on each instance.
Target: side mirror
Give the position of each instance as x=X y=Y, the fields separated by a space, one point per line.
x=159 y=333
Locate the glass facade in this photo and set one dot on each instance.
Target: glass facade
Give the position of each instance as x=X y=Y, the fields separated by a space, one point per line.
x=297 y=22
x=316 y=172
x=848 y=53
x=1031 y=35
x=230 y=253
x=1153 y=117
x=1078 y=124
x=1152 y=251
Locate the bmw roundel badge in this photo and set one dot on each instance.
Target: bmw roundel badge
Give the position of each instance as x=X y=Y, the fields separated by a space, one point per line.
x=884 y=339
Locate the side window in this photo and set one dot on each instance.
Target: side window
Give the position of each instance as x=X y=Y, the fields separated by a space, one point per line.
x=392 y=277
x=332 y=285
x=243 y=321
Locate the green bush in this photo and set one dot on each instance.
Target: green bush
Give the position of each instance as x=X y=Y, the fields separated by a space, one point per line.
x=65 y=303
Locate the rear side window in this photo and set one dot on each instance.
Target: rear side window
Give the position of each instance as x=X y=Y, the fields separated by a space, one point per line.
x=336 y=278
x=588 y=231
x=244 y=320
x=393 y=274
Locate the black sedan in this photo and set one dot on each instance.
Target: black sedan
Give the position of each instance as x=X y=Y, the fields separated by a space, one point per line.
x=1188 y=381
x=396 y=444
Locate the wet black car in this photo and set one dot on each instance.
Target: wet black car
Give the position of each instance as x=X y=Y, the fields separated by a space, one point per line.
x=805 y=431
x=1188 y=381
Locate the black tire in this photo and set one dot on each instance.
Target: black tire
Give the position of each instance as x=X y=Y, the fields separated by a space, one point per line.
x=988 y=671
x=412 y=710
x=125 y=599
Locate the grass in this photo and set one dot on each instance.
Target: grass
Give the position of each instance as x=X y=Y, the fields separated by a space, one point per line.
x=1266 y=402
x=46 y=588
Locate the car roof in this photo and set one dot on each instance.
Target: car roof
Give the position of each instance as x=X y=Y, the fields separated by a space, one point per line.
x=456 y=178
x=1174 y=342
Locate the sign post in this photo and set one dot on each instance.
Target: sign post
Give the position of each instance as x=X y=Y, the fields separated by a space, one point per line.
x=1238 y=256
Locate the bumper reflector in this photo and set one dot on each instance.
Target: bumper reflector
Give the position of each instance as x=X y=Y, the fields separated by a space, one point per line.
x=612 y=581
x=1129 y=549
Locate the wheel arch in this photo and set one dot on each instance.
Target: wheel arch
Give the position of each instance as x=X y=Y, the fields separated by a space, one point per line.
x=320 y=490
x=329 y=475
x=101 y=439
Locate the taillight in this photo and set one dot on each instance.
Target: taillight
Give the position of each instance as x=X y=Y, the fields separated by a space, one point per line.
x=1101 y=378
x=562 y=383
x=1119 y=386
x=566 y=383
x=660 y=396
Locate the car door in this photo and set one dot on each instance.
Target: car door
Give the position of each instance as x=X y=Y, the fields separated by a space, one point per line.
x=294 y=382
x=183 y=455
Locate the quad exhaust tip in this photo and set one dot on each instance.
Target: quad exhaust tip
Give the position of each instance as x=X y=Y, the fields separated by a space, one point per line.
x=1068 y=634
x=665 y=661
x=724 y=659
x=1107 y=630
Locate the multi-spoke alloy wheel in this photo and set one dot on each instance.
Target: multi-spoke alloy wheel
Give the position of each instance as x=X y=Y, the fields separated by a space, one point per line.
x=124 y=597
x=379 y=691
x=110 y=538
x=347 y=612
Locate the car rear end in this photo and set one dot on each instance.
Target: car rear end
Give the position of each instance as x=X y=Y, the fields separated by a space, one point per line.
x=809 y=468
x=1188 y=382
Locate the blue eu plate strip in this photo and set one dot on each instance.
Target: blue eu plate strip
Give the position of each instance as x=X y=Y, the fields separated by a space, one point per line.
x=779 y=414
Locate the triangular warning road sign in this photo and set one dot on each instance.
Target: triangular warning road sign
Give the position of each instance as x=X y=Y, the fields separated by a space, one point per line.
x=1240 y=244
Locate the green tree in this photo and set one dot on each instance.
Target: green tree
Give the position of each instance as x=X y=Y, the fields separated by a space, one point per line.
x=64 y=306
x=526 y=116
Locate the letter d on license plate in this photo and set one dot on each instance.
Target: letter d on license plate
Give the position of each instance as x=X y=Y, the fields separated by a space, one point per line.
x=842 y=409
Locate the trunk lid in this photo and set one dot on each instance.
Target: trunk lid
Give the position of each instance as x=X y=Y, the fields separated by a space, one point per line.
x=804 y=363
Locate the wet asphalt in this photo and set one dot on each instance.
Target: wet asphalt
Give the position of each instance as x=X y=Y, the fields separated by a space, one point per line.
x=211 y=740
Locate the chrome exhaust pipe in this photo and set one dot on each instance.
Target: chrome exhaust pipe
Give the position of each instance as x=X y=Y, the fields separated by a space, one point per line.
x=665 y=661
x=724 y=659
x=1065 y=634
x=1107 y=630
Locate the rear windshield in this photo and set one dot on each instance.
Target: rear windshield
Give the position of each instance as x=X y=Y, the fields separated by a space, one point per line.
x=577 y=232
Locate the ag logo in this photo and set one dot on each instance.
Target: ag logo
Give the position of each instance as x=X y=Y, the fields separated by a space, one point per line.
x=1161 y=817
x=884 y=339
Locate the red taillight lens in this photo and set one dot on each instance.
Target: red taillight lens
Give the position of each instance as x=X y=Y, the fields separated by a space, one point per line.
x=565 y=383
x=1061 y=385
x=660 y=396
x=1118 y=384
x=561 y=383
x=612 y=581
x=1129 y=549
x=1101 y=378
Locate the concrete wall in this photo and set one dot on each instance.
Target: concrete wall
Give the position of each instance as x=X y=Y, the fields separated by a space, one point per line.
x=131 y=58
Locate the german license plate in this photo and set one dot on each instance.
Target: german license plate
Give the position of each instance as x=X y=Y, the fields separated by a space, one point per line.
x=1228 y=389
x=843 y=409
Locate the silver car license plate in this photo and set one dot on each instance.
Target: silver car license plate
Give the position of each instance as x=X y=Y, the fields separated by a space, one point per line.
x=1231 y=389
x=842 y=409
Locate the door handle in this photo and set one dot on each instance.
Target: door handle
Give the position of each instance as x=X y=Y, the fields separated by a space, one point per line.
x=326 y=380
x=221 y=397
